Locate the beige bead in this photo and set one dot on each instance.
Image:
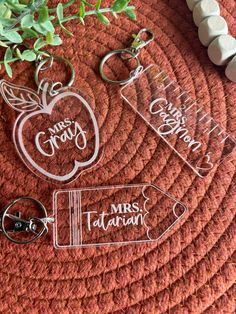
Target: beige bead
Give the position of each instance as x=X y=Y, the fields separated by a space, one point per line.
x=230 y=71
x=222 y=49
x=191 y=3
x=204 y=9
x=210 y=28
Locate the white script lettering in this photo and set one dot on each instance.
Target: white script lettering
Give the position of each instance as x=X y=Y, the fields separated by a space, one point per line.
x=69 y=130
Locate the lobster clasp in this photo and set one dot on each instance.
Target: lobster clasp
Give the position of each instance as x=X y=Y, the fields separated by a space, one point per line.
x=139 y=42
x=18 y=224
x=24 y=230
x=143 y=38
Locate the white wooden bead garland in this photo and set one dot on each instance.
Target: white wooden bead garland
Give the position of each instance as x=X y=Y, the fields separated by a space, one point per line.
x=221 y=49
x=191 y=3
x=211 y=28
x=213 y=33
x=204 y=9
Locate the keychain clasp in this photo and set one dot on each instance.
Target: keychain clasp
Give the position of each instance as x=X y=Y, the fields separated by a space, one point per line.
x=127 y=54
x=138 y=42
x=45 y=63
x=33 y=226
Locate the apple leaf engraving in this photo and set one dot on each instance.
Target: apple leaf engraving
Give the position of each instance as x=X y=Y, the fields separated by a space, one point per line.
x=19 y=98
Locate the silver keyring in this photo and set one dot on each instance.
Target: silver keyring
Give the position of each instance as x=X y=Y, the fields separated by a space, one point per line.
x=133 y=73
x=5 y=214
x=49 y=58
x=54 y=57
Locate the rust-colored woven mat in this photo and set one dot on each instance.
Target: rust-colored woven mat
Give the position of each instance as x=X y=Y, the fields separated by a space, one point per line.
x=193 y=269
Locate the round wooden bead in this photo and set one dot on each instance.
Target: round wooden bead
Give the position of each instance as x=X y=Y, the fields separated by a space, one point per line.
x=204 y=9
x=191 y=3
x=222 y=49
x=210 y=28
x=230 y=71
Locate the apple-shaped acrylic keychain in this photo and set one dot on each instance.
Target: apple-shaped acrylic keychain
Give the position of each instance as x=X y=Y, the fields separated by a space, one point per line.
x=56 y=133
x=170 y=112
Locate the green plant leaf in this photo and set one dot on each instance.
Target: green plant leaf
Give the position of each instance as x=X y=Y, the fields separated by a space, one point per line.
x=28 y=55
x=43 y=15
x=8 y=55
x=59 y=11
x=29 y=33
x=82 y=9
x=2 y=44
x=60 y=16
x=5 y=12
x=18 y=53
x=65 y=30
x=27 y=21
x=119 y=5
x=8 y=58
x=24 y=1
x=39 y=43
x=102 y=18
x=98 y=4
x=2 y=9
x=56 y=41
x=8 y=69
x=16 y=7
x=49 y=37
x=82 y=20
x=13 y=36
x=7 y=22
x=131 y=14
x=48 y=26
x=87 y=3
x=66 y=5
x=43 y=28
x=114 y=14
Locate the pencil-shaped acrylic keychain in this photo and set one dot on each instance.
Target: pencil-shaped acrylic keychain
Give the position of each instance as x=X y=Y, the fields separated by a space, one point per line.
x=97 y=216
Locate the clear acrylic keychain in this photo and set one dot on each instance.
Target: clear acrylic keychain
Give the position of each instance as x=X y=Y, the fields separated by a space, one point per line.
x=168 y=110
x=98 y=216
x=56 y=132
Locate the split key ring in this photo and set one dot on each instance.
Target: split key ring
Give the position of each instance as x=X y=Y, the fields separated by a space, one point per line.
x=133 y=53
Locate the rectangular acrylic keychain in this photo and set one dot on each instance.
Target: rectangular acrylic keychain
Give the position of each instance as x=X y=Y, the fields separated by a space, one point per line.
x=113 y=215
x=180 y=121
x=190 y=131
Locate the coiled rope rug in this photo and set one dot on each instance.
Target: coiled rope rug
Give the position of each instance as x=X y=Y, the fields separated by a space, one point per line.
x=192 y=270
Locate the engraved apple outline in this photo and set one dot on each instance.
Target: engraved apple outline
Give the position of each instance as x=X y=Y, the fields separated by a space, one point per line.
x=29 y=104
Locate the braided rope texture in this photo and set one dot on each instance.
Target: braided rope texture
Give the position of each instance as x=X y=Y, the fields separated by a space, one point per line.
x=193 y=269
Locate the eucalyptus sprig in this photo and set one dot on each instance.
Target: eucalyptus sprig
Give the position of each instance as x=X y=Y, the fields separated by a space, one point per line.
x=32 y=25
